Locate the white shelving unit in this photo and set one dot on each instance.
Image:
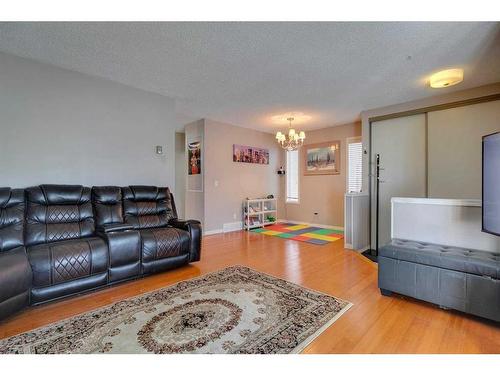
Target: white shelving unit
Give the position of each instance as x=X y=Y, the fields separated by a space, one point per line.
x=255 y=212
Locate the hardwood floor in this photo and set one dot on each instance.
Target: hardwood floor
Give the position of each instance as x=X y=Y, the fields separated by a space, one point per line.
x=375 y=324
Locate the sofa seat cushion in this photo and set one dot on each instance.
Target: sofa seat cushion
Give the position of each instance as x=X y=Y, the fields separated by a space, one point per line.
x=63 y=261
x=15 y=273
x=475 y=262
x=159 y=243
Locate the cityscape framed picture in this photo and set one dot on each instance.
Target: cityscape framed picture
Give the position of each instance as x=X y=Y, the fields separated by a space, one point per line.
x=322 y=158
x=249 y=154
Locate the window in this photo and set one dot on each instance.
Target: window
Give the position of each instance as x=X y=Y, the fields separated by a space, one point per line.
x=292 y=176
x=354 y=165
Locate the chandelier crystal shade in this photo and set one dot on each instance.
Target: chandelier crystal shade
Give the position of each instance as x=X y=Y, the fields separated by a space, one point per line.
x=293 y=141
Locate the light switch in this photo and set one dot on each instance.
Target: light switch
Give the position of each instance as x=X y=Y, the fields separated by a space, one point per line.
x=216 y=183
x=159 y=150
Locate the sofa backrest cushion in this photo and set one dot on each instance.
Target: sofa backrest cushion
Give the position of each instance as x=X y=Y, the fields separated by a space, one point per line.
x=58 y=212
x=148 y=206
x=108 y=206
x=12 y=207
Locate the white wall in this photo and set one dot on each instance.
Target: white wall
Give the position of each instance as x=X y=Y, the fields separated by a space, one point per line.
x=228 y=183
x=451 y=222
x=59 y=126
x=323 y=194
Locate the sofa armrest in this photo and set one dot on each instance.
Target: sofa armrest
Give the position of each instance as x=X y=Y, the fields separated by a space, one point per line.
x=194 y=229
x=15 y=281
x=118 y=227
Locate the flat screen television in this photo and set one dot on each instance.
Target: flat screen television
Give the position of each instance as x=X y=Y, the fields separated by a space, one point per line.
x=491 y=183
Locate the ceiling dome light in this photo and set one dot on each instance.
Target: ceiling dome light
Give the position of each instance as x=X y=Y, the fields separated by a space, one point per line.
x=446 y=78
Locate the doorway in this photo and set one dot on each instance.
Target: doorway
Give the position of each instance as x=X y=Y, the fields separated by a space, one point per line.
x=180 y=174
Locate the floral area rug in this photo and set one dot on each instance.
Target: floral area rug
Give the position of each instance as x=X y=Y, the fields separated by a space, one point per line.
x=235 y=310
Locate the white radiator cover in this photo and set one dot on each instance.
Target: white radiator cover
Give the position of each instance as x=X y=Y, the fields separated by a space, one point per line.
x=452 y=222
x=356 y=221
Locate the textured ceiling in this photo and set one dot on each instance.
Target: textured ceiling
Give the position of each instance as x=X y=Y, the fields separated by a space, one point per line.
x=246 y=73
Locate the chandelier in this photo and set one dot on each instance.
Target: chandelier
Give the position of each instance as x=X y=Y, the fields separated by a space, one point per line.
x=293 y=141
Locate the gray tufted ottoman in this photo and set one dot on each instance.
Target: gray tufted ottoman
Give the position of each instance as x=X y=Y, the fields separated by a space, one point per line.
x=451 y=277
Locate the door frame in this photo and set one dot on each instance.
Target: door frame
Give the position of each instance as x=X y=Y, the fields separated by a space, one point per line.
x=416 y=111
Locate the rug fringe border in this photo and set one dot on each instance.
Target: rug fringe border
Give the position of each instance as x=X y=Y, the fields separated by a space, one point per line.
x=304 y=344
x=299 y=348
x=292 y=282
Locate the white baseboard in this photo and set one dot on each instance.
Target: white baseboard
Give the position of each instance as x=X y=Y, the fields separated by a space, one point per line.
x=227 y=227
x=232 y=227
x=311 y=224
x=349 y=246
x=238 y=225
x=210 y=232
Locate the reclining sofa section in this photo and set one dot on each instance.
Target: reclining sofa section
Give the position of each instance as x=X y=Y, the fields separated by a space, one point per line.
x=60 y=240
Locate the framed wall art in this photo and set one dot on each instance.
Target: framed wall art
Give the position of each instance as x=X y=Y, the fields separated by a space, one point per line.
x=194 y=157
x=249 y=154
x=322 y=158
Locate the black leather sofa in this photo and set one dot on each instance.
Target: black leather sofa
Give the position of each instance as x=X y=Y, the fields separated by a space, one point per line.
x=60 y=240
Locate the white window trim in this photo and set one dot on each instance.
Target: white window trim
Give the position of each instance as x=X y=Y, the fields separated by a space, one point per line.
x=292 y=200
x=352 y=140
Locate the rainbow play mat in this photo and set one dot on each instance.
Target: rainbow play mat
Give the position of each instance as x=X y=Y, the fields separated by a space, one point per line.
x=301 y=232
